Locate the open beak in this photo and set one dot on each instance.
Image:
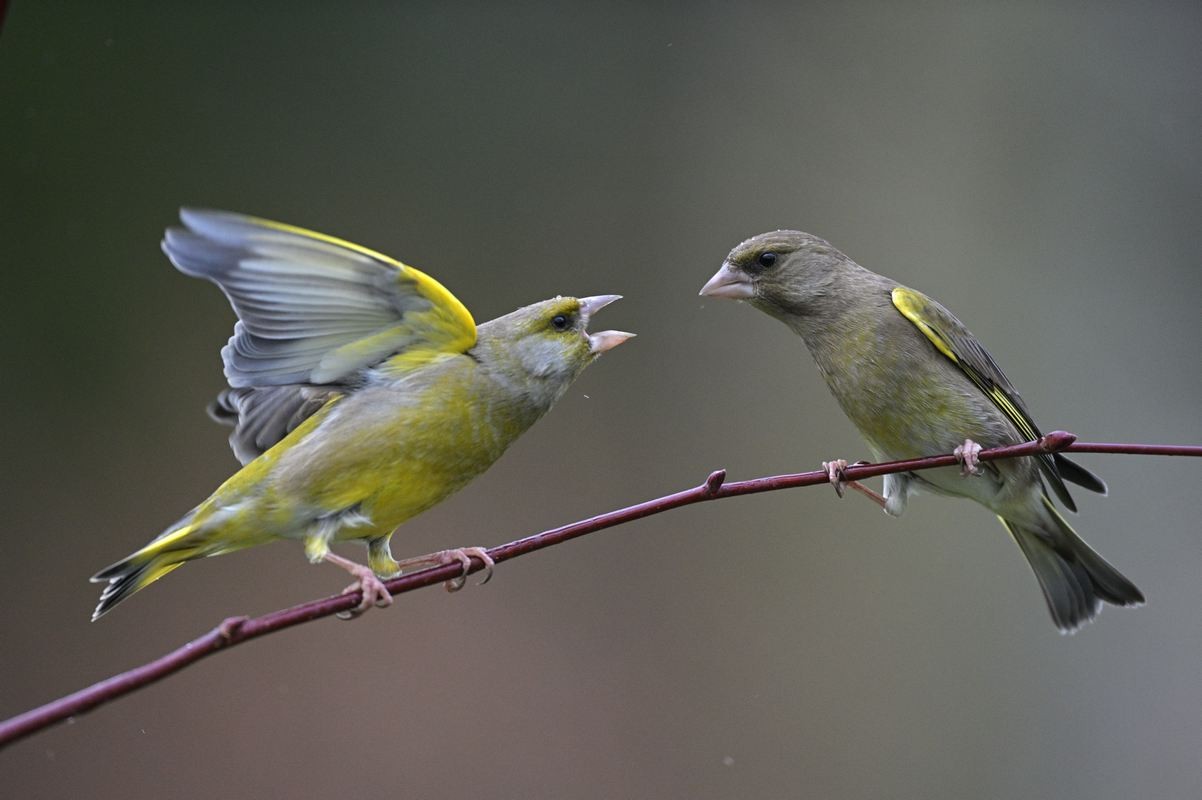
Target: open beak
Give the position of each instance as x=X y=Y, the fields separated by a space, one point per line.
x=728 y=283
x=598 y=343
x=591 y=305
x=607 y=340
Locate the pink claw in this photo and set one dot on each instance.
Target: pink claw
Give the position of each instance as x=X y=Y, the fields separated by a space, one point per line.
x=967 y=454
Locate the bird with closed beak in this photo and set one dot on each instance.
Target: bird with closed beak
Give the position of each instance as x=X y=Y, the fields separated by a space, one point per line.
x=361 y=393
x=916 y=382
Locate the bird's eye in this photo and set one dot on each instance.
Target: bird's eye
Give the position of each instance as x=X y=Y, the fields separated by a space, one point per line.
x=766 y=260
x=560 y=322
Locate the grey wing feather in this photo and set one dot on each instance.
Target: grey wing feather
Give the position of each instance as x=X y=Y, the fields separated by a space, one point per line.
x=313 y=313
x=298 y=298
x=263 y=416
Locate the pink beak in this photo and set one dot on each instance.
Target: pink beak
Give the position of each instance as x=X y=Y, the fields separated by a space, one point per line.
x=729 y=283
x=605 y=340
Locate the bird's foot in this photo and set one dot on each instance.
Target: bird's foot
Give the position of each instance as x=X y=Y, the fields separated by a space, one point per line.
x=967 y=454
x=373 y=589
x=374 y=594
x=462 y=555
x=835 y=472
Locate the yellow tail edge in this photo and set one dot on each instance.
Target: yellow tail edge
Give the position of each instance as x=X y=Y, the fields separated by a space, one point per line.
x=143 y=567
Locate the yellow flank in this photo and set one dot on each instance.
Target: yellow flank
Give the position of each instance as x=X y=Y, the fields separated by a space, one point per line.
x=253 y=472
x=386 y=460
x=388 y=464
x=911 y=304
x=392 y=467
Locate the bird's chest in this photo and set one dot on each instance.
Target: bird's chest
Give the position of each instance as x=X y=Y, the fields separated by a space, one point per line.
x=905 y=401
x=392 y=455
x=435 y=457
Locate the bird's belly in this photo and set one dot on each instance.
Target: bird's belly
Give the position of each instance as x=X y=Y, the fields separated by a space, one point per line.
x=924 y=416
x=918 y=416
x=390 y=479
x=404 y=493
x=995 y=485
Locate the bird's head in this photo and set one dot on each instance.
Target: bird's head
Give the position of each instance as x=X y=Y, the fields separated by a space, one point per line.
x=548 y=343
x=783 y=273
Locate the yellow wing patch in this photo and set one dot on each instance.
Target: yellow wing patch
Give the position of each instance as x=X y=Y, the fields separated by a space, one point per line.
x=953 y=340
x=911 y=305
x=915 y=307
x=448 y=316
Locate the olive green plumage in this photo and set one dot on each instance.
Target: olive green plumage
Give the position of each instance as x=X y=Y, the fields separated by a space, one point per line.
x=361 y=392
x=916 y=382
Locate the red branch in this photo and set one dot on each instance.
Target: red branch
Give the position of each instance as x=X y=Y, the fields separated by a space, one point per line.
x=236 y=630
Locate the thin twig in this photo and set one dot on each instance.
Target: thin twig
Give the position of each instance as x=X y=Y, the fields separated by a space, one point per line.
x=236 y=630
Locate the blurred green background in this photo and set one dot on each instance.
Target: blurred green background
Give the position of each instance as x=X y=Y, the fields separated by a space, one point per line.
x=1036 y=166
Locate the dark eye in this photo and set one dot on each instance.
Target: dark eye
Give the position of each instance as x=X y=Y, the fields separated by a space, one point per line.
x=560 y=322
x=766 y=260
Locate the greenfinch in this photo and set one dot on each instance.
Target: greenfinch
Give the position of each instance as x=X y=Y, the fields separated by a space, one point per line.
x=916 y=382
x=361 y=393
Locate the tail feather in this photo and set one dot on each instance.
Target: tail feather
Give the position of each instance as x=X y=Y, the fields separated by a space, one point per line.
x=1074 y=578
x=1112 y=585
x=144 y=567
x=135 y=577
x=1073 y=472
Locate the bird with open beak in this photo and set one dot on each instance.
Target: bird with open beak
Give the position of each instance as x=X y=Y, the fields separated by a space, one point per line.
x=361 y=393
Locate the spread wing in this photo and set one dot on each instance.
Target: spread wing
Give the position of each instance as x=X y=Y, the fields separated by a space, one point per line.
x=954 y=341
x=313 y=312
